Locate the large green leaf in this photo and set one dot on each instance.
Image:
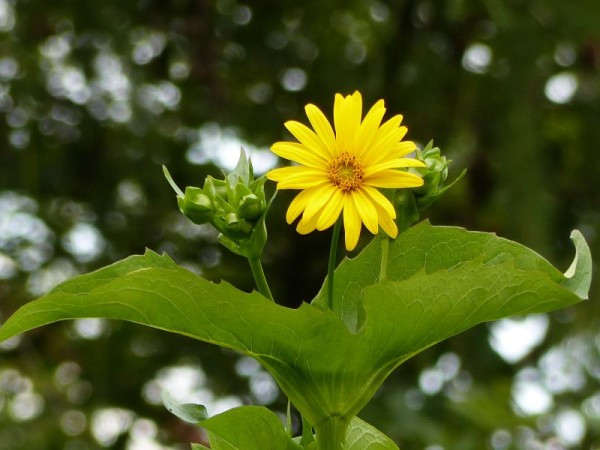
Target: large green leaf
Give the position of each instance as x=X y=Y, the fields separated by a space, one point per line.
x=440 y=281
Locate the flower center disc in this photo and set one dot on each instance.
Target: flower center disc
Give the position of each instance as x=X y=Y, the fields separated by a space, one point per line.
x=346 y=172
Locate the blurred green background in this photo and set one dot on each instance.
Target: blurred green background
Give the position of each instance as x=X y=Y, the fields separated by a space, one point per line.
x=95 y=96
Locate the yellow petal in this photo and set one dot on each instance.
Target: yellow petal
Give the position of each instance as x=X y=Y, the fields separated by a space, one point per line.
x=392 y=123
x=320 y=196
x=307 y=137
x=332 y=211
x=380 y=200
x=368 y=128
x=352 y=223
x=366 y=210
x=297 y=177
x=393 y=179
x=387 y=141
x=306 y=226
x=393 y=164
x=322 y=127
x=347 y=114
x=397 y=150
x=299 y=153
x=404 y=148
x=382 y=147
x=298 y=205
x=386 y=223
x=281 y=173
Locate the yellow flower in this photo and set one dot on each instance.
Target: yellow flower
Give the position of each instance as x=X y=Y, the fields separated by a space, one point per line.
x=340 y=172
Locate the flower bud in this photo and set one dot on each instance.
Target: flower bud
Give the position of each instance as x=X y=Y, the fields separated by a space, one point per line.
x=196 y=205
x=250 y=207
x=215 y=188
x=434 y=176
x=236 y=206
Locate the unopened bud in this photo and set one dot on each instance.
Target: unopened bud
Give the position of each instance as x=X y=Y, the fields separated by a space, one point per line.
x=232 y=219
x=249 y=207
x=434 y=176
x=196 y=205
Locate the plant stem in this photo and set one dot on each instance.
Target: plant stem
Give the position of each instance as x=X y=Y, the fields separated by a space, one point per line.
x=259 y=277
x=331 y=433
x=385 y=253
x=332 y=260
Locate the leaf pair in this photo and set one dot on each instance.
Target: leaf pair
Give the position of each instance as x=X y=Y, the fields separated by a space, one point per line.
x=440 y=281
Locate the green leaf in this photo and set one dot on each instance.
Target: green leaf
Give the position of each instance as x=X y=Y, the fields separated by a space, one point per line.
x=198 y=447
x=307 y=437
x=248 y=428
x=441 y=281
x=579 y=274
x=362 y=436
x=187 y=412
x=359 y=436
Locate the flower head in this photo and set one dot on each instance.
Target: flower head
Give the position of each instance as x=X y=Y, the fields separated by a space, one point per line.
x=339 y=171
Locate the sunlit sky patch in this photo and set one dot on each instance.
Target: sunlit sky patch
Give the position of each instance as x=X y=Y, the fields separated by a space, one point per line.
x=565 y=55
x=148 y=44
x=7 y=16
x=561 y=88
x=107 y=424
x=187 y=384
x=294 y=79
x=513 y=339
x=84 y=242
x=570 y=427
x=9 y=67
x=73 y=422
x=477 y=58
x=42 y=280
x=22 y=403
x=90 y=328
x=530 y=397
x=213 y=143
x=433 y=379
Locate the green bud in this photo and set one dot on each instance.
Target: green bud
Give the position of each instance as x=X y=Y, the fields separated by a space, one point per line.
x=196 y=205
x=236 y=206
x=434 y=176
x=235 y=228
x=232 y=219
x=215 y=188
x=250 y=207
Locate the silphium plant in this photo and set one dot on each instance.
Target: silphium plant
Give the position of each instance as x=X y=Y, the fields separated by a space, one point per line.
x=412 y=286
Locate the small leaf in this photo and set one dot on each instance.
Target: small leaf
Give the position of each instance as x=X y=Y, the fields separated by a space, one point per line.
x=579 y=274
x=199 y=447
x=248 y=428
x=171 y=182
x=307 y=433
x=187 y=412
x=359 y=436
x=362 y=436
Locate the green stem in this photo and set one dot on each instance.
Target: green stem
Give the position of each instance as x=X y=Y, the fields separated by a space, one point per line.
x=331 y=433
x=259 y=278
x=385 y=254
x=332 y=260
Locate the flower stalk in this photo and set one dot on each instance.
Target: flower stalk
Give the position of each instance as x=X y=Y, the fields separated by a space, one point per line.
x=259 y=277
x=332 y=260
x=331 y=433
